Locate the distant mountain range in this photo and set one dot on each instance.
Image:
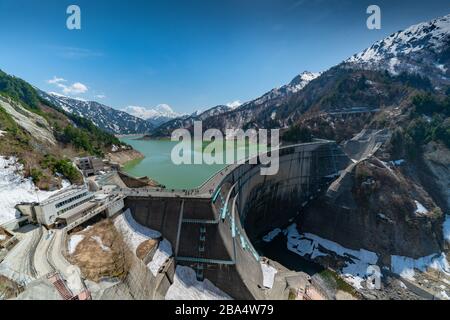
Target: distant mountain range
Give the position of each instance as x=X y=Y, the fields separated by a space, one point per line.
x=156 y=116
x=106 y=118
x=238 y=116
x=422 y=49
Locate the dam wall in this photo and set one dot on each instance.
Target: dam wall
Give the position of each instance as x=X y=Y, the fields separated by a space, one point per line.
x=212 y=231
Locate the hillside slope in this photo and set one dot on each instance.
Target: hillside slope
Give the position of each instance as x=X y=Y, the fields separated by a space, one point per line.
x=44 y=137
x=385 y=74
x=104 y=117
x=224 y=117
x=423 y=48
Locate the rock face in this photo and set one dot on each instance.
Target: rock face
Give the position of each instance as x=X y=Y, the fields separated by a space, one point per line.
x=32 y=123
x=375 y=207
x=437 y=159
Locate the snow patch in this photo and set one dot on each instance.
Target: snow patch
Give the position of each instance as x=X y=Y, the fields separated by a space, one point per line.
x=272 y=235
x=133 y=233
x=357 y=261
x=441 y=67
x=393 y=62
x=273 y=115
x=14 y=189
x=402 y=285
x=405 y=267
x=100 y=243
x=186 y=287
x=446 y=228
x=420 y=208
x=397 y=162
x=269 y=273
x=163 y=253
x=74 y=241
x=234 y=104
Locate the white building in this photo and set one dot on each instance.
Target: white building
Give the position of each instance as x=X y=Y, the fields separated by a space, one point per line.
x=49 y=210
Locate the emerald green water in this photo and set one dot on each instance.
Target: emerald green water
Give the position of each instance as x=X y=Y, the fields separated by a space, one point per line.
x=158 y=165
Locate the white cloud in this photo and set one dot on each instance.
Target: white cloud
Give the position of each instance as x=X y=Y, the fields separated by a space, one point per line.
x=75 y=88
x=56 y=80
x=100 y=96
x=234 y=104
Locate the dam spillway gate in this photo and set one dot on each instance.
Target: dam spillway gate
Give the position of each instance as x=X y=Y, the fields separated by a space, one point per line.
x=212 y=228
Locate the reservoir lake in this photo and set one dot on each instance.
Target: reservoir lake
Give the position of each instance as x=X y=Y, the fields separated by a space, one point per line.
x=158 y=164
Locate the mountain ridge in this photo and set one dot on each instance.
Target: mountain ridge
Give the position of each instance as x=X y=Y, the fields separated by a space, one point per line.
x=422 y=48
x=410 y=56
x=224 y=111
x=109 y=119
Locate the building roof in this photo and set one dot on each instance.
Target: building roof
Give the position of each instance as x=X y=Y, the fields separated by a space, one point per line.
x=64 y=193
x=82 y=207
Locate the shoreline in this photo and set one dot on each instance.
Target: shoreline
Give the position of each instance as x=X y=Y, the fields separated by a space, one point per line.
x=125 y=156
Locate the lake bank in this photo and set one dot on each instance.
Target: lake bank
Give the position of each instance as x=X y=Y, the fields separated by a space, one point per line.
x=157 y=163
x=125 y=156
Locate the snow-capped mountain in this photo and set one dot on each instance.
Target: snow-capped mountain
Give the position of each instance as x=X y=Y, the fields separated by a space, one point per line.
x=156 y=116
x=297 y=84
x=104 y=117
x=236 y=115
x=187 y=121
x=423 y=48
x=234 y=104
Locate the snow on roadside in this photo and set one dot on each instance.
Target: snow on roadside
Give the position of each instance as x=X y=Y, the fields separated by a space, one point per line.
x=163 y=253
x=357 y=261
x=14 y=189
x=74 y=241
x=405 y=267
x=272 y=235
x=186 y=287
x=133 y=233
x=269 y=273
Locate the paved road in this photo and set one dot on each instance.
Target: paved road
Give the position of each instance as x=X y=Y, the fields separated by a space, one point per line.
x=18 y=265
x=55 y=254
x=41 y=263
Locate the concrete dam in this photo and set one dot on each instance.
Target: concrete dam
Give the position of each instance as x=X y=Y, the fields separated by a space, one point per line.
x=212 y=228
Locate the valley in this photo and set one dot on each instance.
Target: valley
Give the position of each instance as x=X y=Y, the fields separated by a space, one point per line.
x=92 y=205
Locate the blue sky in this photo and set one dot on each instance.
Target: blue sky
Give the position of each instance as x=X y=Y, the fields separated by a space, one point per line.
x=190 y=54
